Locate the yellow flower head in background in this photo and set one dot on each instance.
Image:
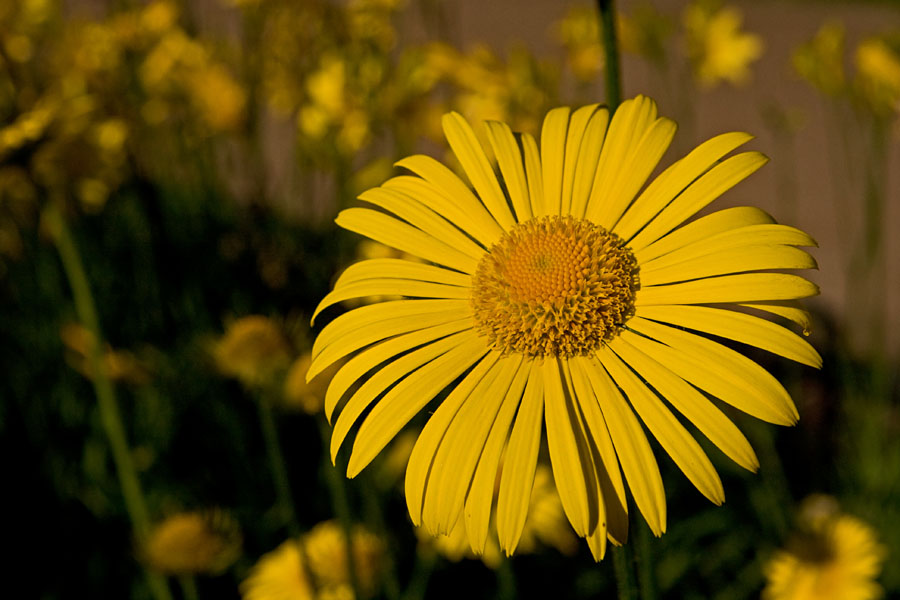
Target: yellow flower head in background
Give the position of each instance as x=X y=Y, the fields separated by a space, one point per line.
x=878 y=73
x=285 y=572
x=252 y=350
x=118 y=365
x=192 y=543
x=718 y=49
x=579 y=33
x=307 y=397
x=833 y=556
x=820 y=61
x=568 y=298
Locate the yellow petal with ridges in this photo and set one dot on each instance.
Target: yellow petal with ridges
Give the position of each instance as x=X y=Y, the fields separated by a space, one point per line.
x=739 y=327
x=410 y=396
x=468 y=150
x=586 y=165
x=744 y=287
x=355 y=368
x=392 y=287
x=509 y=159
x=675 y=179
x=720 y=371
x=635 y=456
x=404 y=237
x=553 y=148
x=386 y=377
x=480 y=498
x=420 y=460
x=700 y=193
x=575 y=137
x=398 y=268
x=686 y=399
x=726 y=262
x=786 y=310
x=533 y=172
x=424 y=218
x=521 y=459
x=702 y=229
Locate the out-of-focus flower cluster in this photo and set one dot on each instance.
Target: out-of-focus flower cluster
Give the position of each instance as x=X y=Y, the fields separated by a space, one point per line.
x=191 y=543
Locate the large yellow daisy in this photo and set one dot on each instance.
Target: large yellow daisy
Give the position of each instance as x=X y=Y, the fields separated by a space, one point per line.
x=561 y=293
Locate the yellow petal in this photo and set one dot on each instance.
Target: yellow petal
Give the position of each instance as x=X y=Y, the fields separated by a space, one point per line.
x=387 y=377
x=675 y=179
x=394 y=287
x=787 y=310
x=720 y=371
x=572 y=469
x=408 y=397
x=534 y=174
x=704 y=190
x=370 y=326
x=424 y=218
x=397 y=268
x=553 y=148
x=724 y=262
x=744 y=287
x=402 y=236
x=635 y=456
x=521 y=458
x=477 y=167
x=739 y=327
x=355 y=368
x=419 y=466
x=575 y=137
x=511 y=166
x=586 y=165
x=480 y=498
x=686 y=399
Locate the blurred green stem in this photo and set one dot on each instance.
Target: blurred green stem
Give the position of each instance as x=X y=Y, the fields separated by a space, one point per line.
x=611 y=51
x=624 y=570
x=506 y=580
x=110 y=418
x=422 y=569
x=285 y=499
x=645 y=565
x=188 y=587
x=338 y=488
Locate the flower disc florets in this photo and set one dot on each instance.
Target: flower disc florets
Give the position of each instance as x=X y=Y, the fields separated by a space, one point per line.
x=554 y=286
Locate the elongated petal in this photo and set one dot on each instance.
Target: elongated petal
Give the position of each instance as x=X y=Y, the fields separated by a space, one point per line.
x=480 y=498
x=739 y=327
x=720 y=371
x=725 y=262
x=371 y=332
x=397 y=268
x=744 y=287
x=635 y=456
x=588 y=157
x=408 y=397
x=569 y=457
x=521 y=459
x=384 y=379
x=404 y=237
x=686 y=399
x=392 y=287
x=509 y=158
x=704 y=190
x=419 y=466
x=575 y=137
x=553 y=152
x=535 y=176
x=476 y=165
x=424 y=218
x=786 y=309
x=355 y=368
x=675 y=179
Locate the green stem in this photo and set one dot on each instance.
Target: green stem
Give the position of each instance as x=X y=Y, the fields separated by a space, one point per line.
x=611 y=51
x=338 y=488
x=506 y=580
x=645 y=566
x=111 y=420
x=188 y=587
x=285 y=499
x=623 y=567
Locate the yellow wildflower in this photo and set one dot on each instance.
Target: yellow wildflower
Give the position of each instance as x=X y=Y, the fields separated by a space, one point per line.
x=307 y=397
x=252 y=350
x=190 y=543
x=820 y=61
x=878 y=73
x=118 y=365
x=718 y=49
x=326 y=551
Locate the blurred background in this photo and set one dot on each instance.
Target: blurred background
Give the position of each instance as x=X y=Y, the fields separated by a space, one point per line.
x=169 y=175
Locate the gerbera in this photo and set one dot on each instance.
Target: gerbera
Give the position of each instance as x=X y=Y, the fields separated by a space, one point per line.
x=557 y=294
x=834 y=555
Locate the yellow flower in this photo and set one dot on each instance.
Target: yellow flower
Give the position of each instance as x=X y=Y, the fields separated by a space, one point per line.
x=218 y=97
x=279 y=575
x=252 y=350
x=307 y=397
x=878 y=70
x=579 y=33
x=563 y=297
x=820 y=61
x=192 y=543
x=119 y=365
x=326 y=550
x=718 y=49
x=834 y=556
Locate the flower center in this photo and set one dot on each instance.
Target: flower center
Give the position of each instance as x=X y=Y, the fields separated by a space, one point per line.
x=554 y=286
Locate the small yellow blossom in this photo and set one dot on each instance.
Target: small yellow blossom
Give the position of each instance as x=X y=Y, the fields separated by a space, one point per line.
x=718 y=49
x=579 y=33
x=326 y=551
x=832 y=556
x=252 y=350
x=820 y=61
x=188 y=543
x=279 y=575
x=300 y=395
x=878 y=73
x=118 y=365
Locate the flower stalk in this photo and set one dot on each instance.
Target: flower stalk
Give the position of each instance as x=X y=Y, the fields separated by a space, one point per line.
x=607 y=11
